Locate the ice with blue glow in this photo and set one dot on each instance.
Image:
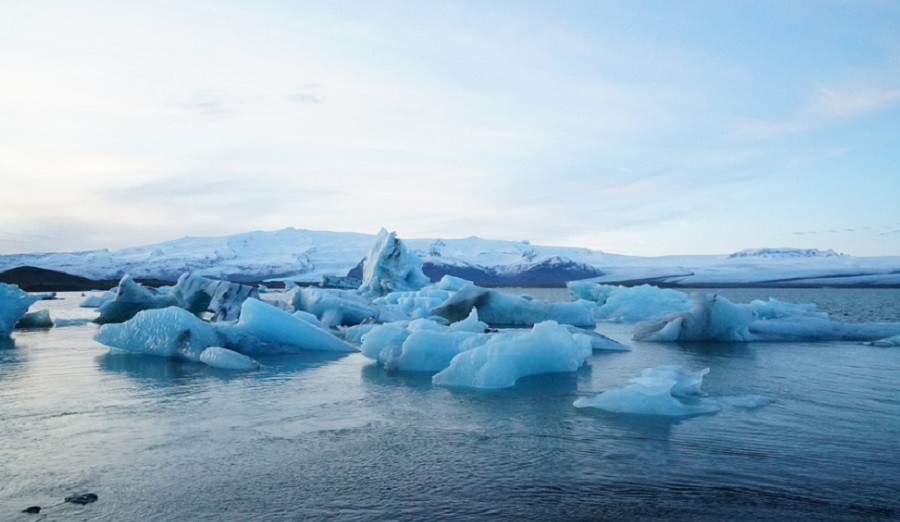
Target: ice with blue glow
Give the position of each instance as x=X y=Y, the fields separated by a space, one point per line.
x=421 y=345
x=263 y=328
x=14 y=304
x=166 y=332
x=175 y=332
x=506 y=357
x=630 y=304
x=669 y=391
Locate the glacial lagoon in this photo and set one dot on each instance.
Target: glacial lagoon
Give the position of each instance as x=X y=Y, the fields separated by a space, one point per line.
x=335 y=437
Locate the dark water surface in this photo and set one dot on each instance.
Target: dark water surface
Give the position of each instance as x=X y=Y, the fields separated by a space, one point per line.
x=337 y=438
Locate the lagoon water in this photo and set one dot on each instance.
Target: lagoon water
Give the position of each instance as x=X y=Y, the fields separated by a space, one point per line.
x=313 y=437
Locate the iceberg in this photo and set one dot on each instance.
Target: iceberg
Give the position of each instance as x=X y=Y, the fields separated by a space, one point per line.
x=332 y=307
x=390 y=267
x=96 y=301
x=219 y=357
x=669 y=391
x=14 y=303
x=198 y=294
x=502 y=310
x=630 y=304
x=175 y=332
x=421 y=345
x=167 y=332
x=264 y=328
x=130 y=299
x=712 y=318
x=506 y=357
x=36 y=319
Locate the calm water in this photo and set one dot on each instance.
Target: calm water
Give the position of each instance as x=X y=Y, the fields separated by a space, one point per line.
x=336 y=438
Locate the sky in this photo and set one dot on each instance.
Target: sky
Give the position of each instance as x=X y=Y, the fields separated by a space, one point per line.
x=643 y=128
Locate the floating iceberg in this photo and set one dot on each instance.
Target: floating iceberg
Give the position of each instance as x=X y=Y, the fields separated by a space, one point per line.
x=630 y=304
x=36 y=319
x=96 y=301
x=175 y=332
x=332 y=307
x=14 y=303
x=263 y=328
x=506 y=357
x=502 y=310
x=198 y=294
x=131 y=298
x=712 y=318
x=669 y=391
x=390 y=267
x=168 y=332
x=421 y=345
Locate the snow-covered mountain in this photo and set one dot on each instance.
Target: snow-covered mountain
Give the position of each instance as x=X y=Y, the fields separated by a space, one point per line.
x=306 y=255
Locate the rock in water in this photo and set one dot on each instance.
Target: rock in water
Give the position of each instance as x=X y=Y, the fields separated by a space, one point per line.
x=34 y=510
x=84 y=498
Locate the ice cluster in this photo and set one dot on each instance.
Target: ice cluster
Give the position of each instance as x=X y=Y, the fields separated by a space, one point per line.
x=175 y=332
x=503 y=310
x=716 y=319
x=390 y=267
x=669 y=391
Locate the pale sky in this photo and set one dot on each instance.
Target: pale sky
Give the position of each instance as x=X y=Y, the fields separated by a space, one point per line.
x=642 y=128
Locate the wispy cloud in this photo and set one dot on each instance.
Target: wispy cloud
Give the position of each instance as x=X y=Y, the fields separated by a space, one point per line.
x=825 y=106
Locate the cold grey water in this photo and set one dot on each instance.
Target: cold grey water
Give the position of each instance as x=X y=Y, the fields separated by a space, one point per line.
x=335 y=437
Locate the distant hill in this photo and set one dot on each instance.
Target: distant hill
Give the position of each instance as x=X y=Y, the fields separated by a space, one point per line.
x=34 y=279
x=306 y=256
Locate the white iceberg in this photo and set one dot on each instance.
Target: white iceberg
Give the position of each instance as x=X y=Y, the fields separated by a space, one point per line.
x=96 y=301
x=506 y=357
x=263 y=328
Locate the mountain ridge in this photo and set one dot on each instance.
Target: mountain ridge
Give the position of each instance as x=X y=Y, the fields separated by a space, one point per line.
x=308 y=255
